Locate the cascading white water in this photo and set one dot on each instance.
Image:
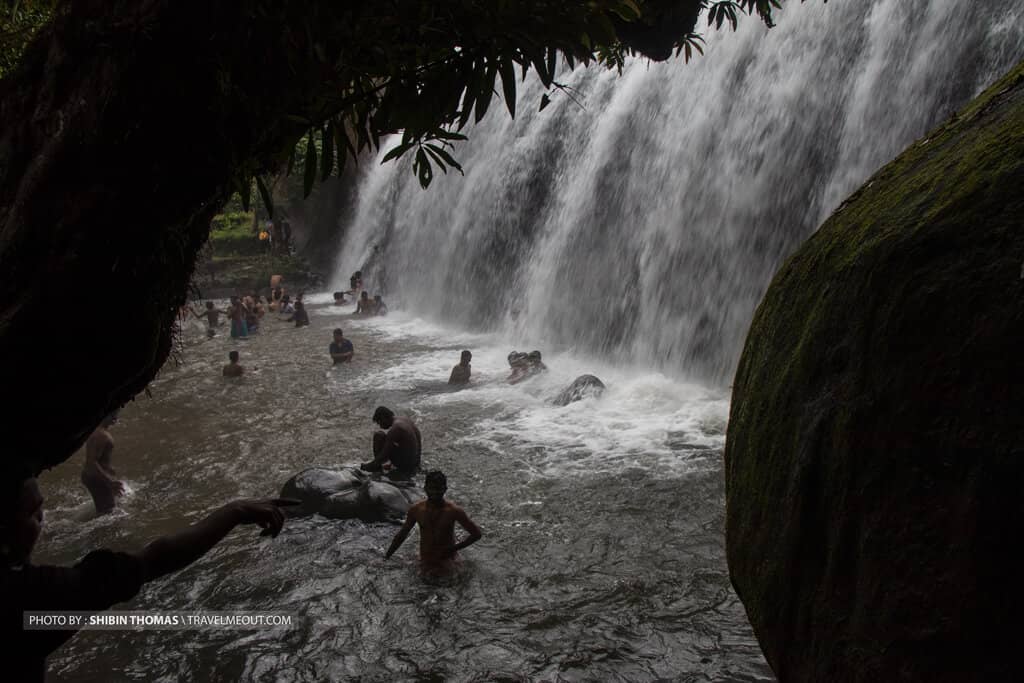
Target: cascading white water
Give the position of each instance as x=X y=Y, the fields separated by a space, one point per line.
x=646 y=223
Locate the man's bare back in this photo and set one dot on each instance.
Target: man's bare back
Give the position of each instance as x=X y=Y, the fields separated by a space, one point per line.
x=437 y=530
x=232 y=370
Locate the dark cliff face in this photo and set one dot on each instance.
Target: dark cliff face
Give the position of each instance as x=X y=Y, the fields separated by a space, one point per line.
x=875 y=453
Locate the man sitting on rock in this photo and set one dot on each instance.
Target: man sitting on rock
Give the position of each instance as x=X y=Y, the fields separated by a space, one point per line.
x=460 y=373
x=400 y=445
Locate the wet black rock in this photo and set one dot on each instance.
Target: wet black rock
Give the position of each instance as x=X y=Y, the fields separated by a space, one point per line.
x=581 y=387
x=349 y=493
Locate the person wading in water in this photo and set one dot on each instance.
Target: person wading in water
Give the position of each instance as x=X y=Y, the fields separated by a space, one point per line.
x=436 y=518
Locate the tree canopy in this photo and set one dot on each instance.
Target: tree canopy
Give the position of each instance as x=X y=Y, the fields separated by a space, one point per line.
x=427 y=69
x=125 y=126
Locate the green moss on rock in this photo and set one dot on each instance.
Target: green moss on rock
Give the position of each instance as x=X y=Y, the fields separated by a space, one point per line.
x=875 y=452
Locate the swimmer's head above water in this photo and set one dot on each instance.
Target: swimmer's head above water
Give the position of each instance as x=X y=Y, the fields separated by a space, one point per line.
x=233 y=356
x=466 y=357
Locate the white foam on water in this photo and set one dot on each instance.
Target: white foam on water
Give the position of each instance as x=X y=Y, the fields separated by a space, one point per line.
x=644 y=419
x=317 y=298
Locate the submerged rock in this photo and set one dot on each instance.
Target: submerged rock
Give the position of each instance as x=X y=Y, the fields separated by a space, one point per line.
x=581 y=387
x=349 y=493
x=875 y=452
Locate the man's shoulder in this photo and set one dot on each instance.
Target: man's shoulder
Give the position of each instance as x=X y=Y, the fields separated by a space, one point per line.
x=99 y=437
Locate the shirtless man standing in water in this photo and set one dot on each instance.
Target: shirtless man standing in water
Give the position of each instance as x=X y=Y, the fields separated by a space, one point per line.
x=436 y=518
x=97 y=474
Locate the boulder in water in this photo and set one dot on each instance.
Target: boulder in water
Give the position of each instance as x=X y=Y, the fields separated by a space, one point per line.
x=349 y=493
x=581 y=387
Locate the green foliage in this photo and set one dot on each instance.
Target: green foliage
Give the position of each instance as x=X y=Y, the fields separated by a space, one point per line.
x=234 y=222
x=19 y=21
x=729 y=10
x=232 y=234
x=426 y=69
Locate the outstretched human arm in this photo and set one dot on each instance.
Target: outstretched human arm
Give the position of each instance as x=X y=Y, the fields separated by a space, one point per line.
x=403 y=533
x=177 y=551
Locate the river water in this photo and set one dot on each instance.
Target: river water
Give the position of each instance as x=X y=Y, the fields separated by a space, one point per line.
x=602 y=556
x=629 y=232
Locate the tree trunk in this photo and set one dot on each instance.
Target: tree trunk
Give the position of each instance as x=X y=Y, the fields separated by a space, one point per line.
x=119 y=140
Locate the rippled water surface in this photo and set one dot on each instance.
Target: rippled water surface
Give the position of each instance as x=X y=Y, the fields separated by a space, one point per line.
x=602 y=557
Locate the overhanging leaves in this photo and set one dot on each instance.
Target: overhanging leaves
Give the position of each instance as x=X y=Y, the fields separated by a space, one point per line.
x=426 y=68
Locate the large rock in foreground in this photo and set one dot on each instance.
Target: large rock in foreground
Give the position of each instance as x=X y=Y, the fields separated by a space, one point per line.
x=350 y=493
x=875 y=453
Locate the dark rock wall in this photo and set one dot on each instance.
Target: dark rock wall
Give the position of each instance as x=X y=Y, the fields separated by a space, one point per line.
x=875 y=453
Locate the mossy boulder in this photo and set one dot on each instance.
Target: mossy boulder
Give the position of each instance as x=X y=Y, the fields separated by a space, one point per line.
x=875 y=452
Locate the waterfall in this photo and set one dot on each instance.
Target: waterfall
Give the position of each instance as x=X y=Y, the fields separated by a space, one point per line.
x=641 y=218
